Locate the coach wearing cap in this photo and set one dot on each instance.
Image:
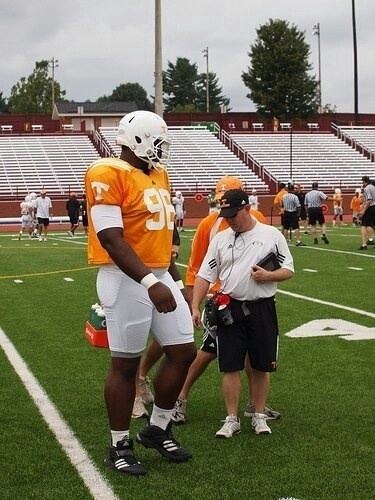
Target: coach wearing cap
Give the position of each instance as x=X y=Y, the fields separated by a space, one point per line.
x=232 y=258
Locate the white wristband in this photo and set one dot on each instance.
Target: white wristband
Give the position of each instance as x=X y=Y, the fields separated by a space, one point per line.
x=180 y=284
x=149 y=280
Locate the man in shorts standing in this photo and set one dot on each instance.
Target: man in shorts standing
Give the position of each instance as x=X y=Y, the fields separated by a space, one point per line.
x=246 y=319
x=131 y=220
x=313 y=202
x=43 y=207
x=367 y=213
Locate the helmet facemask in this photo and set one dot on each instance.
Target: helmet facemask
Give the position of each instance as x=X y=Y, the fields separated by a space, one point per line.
x=157 y=155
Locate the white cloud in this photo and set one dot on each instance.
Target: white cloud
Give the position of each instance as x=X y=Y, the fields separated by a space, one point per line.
x=102 y=44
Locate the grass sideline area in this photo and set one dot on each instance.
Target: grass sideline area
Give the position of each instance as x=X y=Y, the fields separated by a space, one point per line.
x=321 y=449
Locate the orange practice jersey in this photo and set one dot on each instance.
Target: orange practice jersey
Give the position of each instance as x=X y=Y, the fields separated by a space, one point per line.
x=206 y=230
x=146 y=208
x=355 y=204
x=337 y=200
x=278 y=198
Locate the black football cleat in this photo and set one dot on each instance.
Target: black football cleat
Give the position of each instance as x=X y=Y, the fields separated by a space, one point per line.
x=163 y=442
x=122 y=459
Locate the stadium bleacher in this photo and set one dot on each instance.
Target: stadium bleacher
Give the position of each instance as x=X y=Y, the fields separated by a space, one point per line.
x=198 y=160
x=57 y=163
x=364 y=137
x=322 y=158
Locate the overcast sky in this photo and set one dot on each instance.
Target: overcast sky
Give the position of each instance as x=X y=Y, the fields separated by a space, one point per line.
x=101 y=44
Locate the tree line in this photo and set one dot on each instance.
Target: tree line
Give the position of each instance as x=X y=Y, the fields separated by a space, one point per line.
x=279 y=81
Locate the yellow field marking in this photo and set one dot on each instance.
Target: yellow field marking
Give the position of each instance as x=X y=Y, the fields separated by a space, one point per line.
x=31 y=275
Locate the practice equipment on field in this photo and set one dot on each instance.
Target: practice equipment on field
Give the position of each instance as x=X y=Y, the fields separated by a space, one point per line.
x=95 y=327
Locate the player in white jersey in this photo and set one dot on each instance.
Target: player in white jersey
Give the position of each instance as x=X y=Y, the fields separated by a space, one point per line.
x=26 y=216
x=178 y=203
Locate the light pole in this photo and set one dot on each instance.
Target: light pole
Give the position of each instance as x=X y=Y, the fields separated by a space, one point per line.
x=53 y=63
x=355 y=59
x=205 y=54
x=158 y=104
x=316 y=31
x=291 y=154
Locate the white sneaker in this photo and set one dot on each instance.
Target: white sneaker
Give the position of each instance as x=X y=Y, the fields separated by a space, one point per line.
x=179 y=411
x=139 y=409
x=70 y=234
x=230 y=428
x=259 y=424
x=144 y=385
x=40 y=238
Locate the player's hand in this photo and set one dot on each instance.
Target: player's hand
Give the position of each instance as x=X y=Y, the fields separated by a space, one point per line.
x=260 y=275
x=162 y=297
x=196 y=317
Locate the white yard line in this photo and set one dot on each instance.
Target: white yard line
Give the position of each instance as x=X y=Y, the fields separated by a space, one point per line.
x=90 y=475
x=362 y=254
x=326 y=303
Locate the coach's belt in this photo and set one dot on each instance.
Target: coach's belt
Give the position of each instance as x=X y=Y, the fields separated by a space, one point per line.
x=263 y=299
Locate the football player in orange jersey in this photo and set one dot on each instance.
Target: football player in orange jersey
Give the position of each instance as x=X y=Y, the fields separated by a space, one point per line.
x=131 y=222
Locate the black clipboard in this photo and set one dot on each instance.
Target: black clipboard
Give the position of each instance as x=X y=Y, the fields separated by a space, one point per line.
x=269 y=262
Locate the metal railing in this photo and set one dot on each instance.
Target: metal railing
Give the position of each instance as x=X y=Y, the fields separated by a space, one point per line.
x=246 y=157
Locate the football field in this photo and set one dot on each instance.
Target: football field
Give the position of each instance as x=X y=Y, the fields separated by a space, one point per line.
x=54 y=431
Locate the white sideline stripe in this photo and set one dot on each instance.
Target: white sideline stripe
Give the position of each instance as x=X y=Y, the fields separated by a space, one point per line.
x=310 y=270
x=356 y=268
x=90 y=475
x=325 y=303
x=318 y=301
x=338 y=251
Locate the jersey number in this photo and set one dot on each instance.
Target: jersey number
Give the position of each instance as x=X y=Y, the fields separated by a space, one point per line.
x=158 y=203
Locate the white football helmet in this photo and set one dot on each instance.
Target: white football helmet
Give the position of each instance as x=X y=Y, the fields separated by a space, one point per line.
x=33 y=196
x=28 y=198
x=146 y=134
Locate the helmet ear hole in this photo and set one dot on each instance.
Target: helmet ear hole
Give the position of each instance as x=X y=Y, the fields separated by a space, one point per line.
x=138 y=139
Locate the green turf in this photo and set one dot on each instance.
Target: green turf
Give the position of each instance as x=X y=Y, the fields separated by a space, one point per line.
x=322 y=448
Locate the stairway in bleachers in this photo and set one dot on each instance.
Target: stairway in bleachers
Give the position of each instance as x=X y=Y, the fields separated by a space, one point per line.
x=360 y=137
x=55 y=163
x=198 y=159
x=321 y=158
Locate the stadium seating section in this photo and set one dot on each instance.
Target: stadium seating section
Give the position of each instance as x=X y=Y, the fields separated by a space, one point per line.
x=318 y=157
x=198 y=160
x=361 y=137
x=57 y=163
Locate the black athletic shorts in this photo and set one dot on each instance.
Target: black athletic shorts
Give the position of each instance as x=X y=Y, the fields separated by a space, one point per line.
x=208 y=343
x=291 y=220
x=43 y=222
x=73 y=219
x=368 y=218
x=255 y=333
x=316 y=215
